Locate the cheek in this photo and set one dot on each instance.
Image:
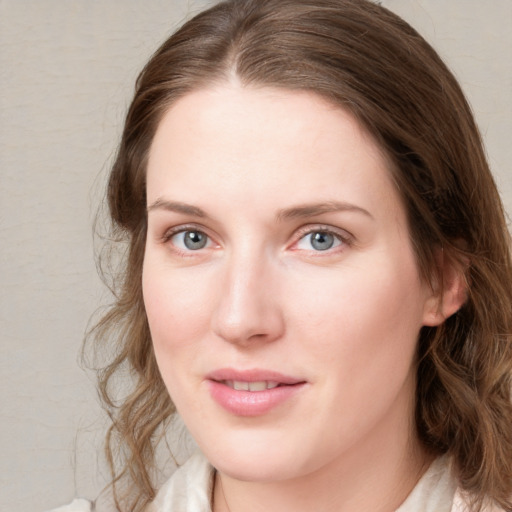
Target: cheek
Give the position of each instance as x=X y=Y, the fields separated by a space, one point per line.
x=363 y=320
x=177 y=317
x=177 y=306
x=384 y=296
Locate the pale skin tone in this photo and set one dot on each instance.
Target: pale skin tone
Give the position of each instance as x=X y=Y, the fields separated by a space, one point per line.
x=301 y=263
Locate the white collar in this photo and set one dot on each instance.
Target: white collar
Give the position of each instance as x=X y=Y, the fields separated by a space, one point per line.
x=435 y=490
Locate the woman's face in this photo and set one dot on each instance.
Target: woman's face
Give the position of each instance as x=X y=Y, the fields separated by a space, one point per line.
x=280 y=284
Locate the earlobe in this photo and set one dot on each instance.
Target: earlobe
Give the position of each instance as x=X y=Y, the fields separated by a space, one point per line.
x=450 y=293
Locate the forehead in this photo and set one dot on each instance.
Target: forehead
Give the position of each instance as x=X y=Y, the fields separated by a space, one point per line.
x=246 y=110
x=261 y=141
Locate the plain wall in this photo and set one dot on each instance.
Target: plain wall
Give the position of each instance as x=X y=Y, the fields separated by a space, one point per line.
x=67 y=71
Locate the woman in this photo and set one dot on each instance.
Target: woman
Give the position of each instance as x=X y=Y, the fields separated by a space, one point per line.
x=318 y=277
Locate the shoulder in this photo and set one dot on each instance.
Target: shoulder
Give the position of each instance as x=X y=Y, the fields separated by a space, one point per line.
x=188 y=490
x=78 y=505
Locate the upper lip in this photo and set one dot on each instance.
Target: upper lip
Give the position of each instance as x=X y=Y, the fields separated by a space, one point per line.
x=253 y=375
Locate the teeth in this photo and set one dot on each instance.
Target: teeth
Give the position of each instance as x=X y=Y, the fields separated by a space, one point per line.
x=251 y=386
x=240 y=386
x=257 y=386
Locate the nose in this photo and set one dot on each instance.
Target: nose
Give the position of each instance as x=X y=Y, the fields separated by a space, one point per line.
x=248 y=308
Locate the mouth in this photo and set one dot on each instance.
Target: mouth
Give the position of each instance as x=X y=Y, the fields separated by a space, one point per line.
x=254 y=392
x=252 y=380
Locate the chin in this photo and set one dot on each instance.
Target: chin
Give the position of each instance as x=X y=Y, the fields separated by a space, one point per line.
x=243 y=468
x=260 y=457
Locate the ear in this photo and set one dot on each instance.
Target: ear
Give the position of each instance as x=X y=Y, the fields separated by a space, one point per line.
x=449 y=292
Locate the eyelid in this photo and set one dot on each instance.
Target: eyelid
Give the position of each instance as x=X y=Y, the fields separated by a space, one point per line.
x=344 y=236
x=170 y=232
x=175 y=230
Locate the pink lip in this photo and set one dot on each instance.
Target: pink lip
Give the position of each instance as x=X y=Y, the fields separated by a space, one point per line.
x=251 y=403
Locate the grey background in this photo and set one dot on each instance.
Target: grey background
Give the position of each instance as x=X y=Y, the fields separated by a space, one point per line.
x=67 y=71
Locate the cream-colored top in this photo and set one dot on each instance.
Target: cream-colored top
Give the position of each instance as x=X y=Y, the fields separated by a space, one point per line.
x=190 y=487
x=434 y=492
x=78 y=505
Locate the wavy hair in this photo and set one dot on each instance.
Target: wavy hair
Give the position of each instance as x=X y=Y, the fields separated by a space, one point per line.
x=360 y=56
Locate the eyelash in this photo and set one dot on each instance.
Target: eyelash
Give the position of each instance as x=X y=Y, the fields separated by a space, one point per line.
x=168 y=235
x=344 y=239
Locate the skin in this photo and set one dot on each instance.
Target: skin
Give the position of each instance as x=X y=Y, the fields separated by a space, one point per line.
x=345 y=320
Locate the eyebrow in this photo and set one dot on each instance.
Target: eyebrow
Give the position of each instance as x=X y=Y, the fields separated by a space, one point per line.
x=176 y=206
x=294 y=212
x=311 y=210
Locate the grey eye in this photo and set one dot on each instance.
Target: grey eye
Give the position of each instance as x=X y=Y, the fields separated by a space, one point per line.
x=190 y=240
x=321 y=241
x=194 y=240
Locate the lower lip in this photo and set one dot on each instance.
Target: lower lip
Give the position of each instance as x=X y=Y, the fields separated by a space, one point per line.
x=251 y=403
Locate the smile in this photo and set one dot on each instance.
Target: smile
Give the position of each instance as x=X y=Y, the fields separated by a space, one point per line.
x=254 y=392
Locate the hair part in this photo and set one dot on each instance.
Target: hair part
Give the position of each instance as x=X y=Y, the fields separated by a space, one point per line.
x=363 y=58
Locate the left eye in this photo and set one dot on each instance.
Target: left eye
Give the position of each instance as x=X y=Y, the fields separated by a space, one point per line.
x=190 y=240
x=318 y=241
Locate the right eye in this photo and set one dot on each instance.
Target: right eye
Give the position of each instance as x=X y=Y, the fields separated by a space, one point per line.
x=190 y=240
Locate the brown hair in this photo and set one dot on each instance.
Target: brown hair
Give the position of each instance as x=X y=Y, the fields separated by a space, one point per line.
x=362 y=57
